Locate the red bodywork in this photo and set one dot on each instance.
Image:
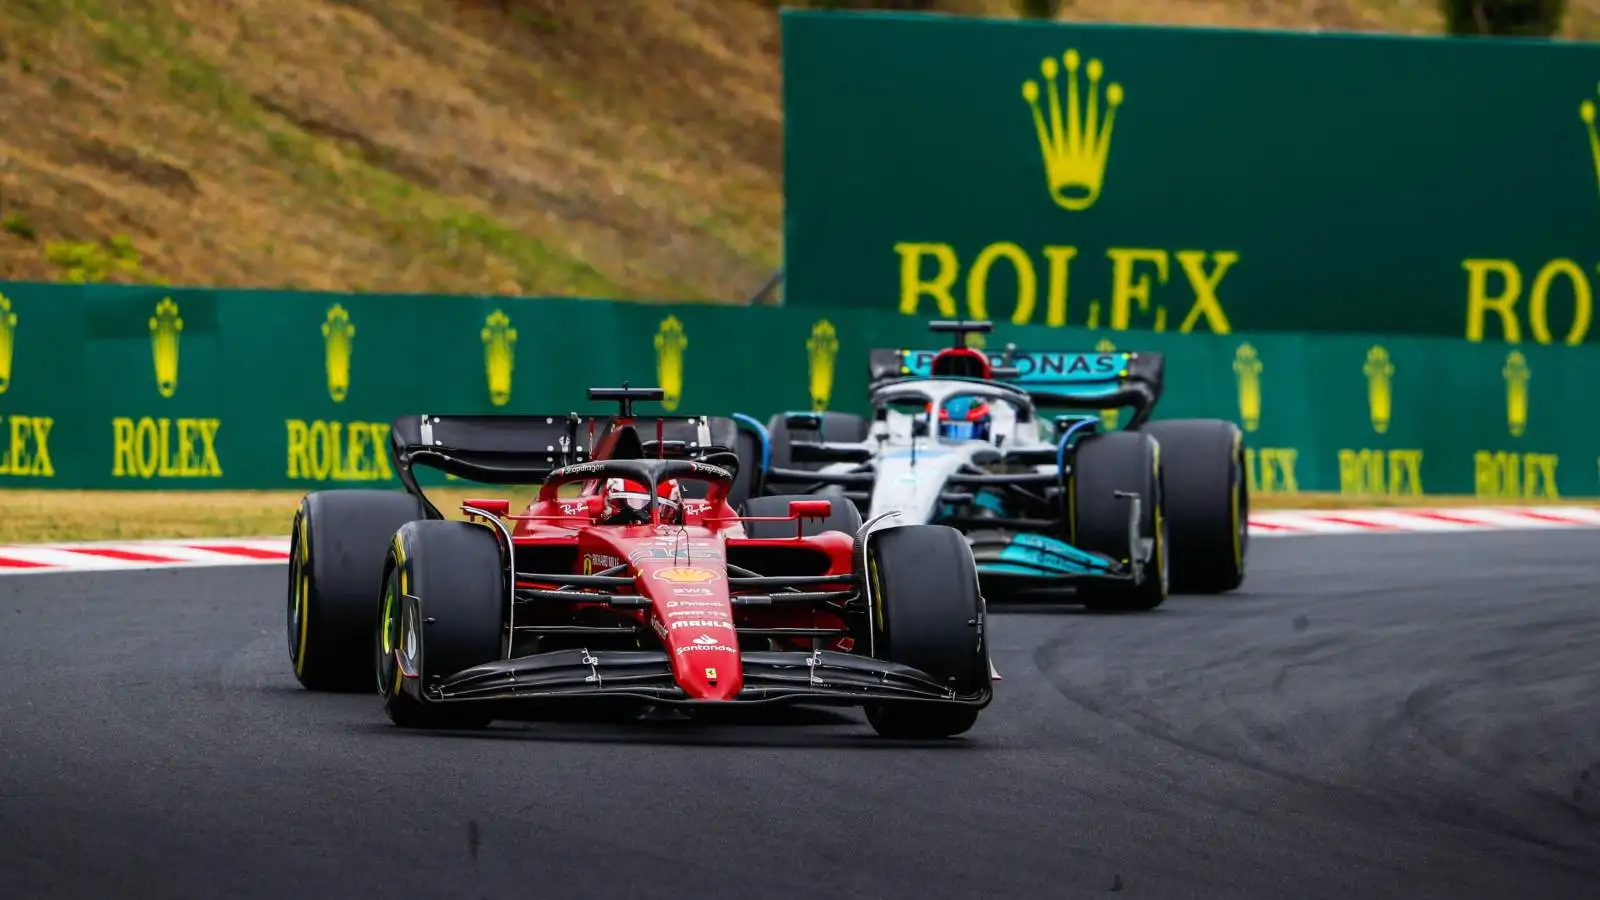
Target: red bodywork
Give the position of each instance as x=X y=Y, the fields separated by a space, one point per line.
x=683 y=569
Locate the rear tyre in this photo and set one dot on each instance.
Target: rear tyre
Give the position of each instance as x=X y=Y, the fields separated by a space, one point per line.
x=456 y=574
x=1207 y=503
x=336 y=553
x=845 y=517
x=1102 y=466
x=927 y=613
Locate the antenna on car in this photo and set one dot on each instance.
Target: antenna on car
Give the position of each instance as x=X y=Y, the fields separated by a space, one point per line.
x=625 y=396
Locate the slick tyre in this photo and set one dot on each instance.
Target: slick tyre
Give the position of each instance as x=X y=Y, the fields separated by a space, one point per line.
x=1102 y=466
x=444 y=603
x=845 y=517
x=926 y=613
x=336 y=553
x=1207 y=503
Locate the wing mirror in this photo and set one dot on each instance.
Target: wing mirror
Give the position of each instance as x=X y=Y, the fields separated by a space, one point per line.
x=803 y=421
x=810 y=509
x=500 y=508
x=919 y=427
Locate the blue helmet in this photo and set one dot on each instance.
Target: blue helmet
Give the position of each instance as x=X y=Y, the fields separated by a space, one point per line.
x=965 y=419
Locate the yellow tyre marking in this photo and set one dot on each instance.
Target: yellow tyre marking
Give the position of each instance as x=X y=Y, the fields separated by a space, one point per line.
x=303 y=594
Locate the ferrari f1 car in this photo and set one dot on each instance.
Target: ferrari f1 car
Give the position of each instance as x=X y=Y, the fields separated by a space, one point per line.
x=959 y=436
x=629 y=590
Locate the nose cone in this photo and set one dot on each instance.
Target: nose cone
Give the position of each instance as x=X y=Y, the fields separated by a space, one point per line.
x=694 y=618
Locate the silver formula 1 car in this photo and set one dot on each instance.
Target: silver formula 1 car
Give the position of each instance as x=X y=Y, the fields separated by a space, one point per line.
x=960 y=437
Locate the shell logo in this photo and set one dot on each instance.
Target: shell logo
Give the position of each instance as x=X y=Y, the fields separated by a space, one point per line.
x=685 y=574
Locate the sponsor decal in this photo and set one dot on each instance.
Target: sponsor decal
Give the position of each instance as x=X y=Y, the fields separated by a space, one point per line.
x=598 y=562
x=689 y=592
x=710 y=648
x=674 y=553
x=711 y=674
x=702 y=623
x=685 y=574
x=822 y=348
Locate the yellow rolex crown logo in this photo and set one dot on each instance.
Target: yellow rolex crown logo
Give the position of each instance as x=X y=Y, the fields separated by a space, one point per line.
x=822 y=348
x=337 y=335
x=670 y=341
x=1074 y=143
x=165 y=326
x=1517 y=374
x=1380 y=372
x=8 y=341
x=1247 y=368
x=499 y=356
x=1586 y=113
x=1108 y=417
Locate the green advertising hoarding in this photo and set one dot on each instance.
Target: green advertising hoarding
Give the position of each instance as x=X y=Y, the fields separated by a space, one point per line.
x=147 y=388
x=1191 y=180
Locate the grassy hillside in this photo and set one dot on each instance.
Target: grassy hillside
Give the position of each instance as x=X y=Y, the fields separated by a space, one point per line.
x=604 y=147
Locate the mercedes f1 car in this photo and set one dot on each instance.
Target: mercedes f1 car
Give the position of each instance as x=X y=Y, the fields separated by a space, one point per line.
x=959 y=436
x=628 y=589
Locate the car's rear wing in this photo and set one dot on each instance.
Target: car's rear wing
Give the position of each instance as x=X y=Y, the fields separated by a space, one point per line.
x=517 y=450
x=1054 y=378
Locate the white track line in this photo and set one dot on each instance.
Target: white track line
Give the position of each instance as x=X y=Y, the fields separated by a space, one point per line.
x=101 y=556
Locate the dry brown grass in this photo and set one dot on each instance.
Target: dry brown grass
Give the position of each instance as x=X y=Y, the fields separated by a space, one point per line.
x=627 y=148
x=45 y=516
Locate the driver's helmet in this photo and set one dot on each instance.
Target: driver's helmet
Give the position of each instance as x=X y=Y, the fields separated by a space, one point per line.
x=965 y=419
x=626 y=501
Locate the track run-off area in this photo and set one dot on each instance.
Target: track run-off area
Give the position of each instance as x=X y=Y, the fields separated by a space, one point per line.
x=1373 y=715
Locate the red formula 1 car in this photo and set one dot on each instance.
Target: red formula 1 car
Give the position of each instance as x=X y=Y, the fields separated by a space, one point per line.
x=645 y=588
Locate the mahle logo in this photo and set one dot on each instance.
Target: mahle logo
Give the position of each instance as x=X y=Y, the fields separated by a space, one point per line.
x=822 y=348
x=1247 y=369
x=1108 y=417
x=165 y=327
x=499 y=356
x=337 y=337
x=1380 y=397
x=1074 y=150
x=670 y=343
x=1516 y=374
x=8 y=341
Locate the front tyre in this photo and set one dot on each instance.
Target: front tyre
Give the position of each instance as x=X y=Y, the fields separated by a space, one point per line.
x=336 y=553
x=444 y=604
x=927 y=613
x=1102 y=466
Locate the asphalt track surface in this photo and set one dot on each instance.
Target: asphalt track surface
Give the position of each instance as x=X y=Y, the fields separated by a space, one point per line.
x=1403 y=716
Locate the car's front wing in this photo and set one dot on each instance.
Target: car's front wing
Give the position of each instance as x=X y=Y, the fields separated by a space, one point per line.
x=822 y=678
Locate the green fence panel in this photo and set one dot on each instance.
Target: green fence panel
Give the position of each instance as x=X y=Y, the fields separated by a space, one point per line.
x=1193 y=181
x=155 y=388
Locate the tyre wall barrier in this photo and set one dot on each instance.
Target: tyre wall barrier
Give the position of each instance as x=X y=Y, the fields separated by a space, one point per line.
x=164 y=388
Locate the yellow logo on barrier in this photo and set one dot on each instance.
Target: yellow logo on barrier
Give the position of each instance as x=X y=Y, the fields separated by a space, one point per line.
x=670 y=341
x=1517 y=374
x=1108 y=417
x=1586 y=112
x=8 y=341
x=499 y=356
x=337 y=336
x=165 y=326
x=1074 y=152
x=1247 y=369
x=1380 y=373
x=822 y=348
